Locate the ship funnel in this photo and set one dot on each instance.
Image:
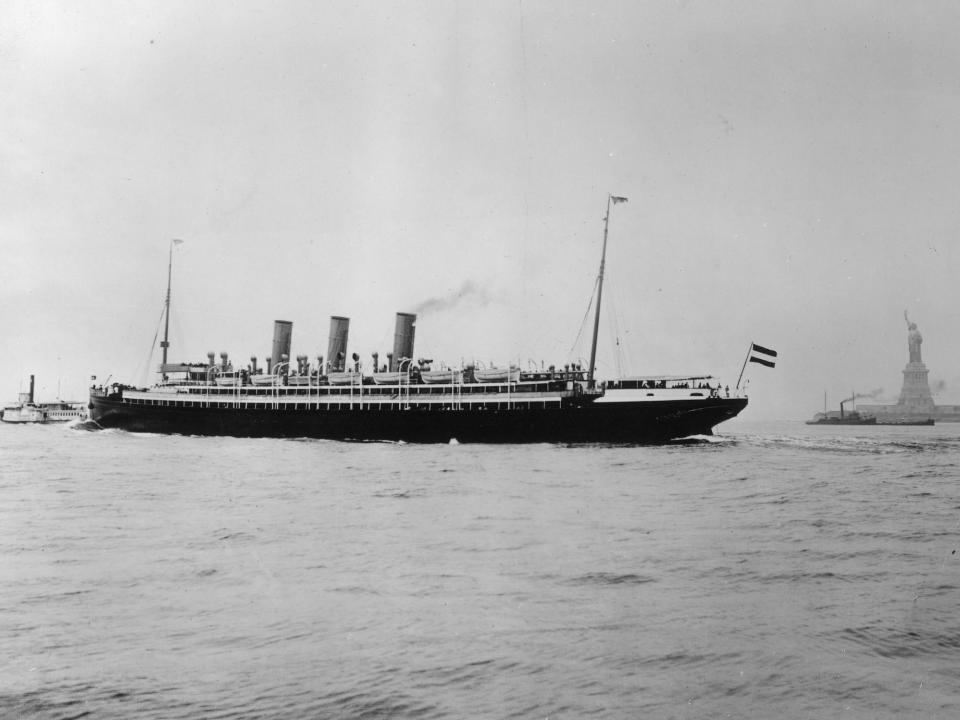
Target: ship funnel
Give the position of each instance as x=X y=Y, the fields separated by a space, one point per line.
x=337 y=345
x=843 y=402
x=31 y=388
x=403 y=339
x=282 y=333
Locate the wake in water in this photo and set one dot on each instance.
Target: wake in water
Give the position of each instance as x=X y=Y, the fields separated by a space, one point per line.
x=856 y=444
x=704 y=440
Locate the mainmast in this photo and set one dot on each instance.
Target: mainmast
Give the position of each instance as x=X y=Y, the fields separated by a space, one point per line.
x=166 y=312
x=603 y=259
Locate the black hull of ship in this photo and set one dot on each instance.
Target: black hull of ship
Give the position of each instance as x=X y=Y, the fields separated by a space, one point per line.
x=640 y=422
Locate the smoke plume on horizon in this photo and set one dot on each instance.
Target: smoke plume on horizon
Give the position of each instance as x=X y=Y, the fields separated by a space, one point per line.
x=468 y=291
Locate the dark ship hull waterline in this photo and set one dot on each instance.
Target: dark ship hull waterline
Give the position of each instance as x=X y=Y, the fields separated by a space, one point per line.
x=405 y=400
x=851 y=419
x=518 y=412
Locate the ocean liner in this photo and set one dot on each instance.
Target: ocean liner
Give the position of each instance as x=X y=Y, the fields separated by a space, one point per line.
x=408 y=400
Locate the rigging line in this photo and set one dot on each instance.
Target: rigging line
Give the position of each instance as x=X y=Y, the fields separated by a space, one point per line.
x=616 y=340
x=586 y=315
x=152 y=345
x=614 y=328
x=622 y=347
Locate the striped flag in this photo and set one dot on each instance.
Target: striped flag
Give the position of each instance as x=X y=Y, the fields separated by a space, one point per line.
x=762 y=355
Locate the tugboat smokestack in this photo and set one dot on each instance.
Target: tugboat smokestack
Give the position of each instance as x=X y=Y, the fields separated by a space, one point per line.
x=31 y=388
x=337 y=345
x=403 y=339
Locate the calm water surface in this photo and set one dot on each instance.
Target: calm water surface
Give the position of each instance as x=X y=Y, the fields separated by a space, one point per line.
x=786 y=570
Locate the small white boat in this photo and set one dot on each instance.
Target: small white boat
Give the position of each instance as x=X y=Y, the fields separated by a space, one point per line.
x=496 y=375
x=23 y=413
x=265 y=380
x=231 y=380
x=28 y=411
x=391 y=378
x=62 y=411
x=441 y=377
x=344 y=378
x=299 y=380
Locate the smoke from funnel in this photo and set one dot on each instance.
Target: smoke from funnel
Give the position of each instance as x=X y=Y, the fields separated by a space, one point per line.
x=868 y=396
x=469 y=290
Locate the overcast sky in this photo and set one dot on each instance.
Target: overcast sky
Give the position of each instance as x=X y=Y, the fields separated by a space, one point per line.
x=791 y=169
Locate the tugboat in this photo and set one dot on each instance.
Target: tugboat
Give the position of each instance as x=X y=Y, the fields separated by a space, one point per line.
x=26 y=410
x=844 y=418
x=406 y=399
x=856 y=418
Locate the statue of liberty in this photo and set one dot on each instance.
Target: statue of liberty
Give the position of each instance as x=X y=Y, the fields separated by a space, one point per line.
x=914 y=339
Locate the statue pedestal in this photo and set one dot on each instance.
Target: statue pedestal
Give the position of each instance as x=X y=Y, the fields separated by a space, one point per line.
x=915 y=395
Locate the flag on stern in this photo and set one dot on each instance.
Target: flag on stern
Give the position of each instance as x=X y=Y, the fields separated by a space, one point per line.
x=762 y=355
x=617 y=199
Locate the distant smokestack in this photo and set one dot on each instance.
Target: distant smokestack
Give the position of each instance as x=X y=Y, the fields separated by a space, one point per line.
x=843 y=402
x=403 y=339
x=31 y=388
x=337 y=345
x=282 y=333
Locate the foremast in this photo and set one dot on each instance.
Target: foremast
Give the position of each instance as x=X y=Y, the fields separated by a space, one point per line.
x=165 y=343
